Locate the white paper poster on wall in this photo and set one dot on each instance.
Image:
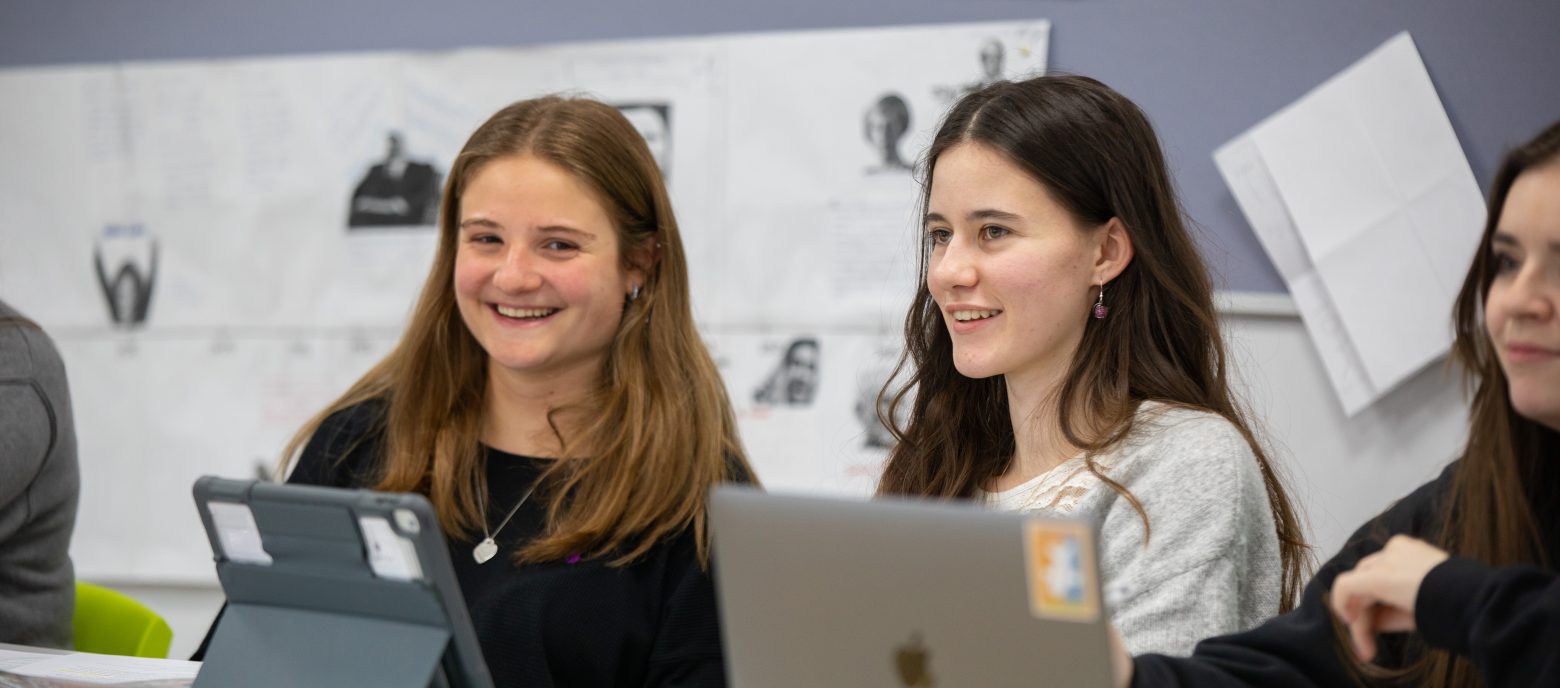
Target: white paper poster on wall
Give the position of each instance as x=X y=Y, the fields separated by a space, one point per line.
x=808 y=408
x=221 y=247
x=863 y=106
x=1362 y=195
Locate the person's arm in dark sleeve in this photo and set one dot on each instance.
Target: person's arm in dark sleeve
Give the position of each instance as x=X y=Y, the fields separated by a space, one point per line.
x=1300 y=648
x=1288 y=651
x=1504 y=619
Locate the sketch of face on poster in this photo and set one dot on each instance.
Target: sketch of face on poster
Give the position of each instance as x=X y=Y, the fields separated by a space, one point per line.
x=871 y=408
x=993 y=67
x=654 y=122
x=125 y=257
x=991 y=59
x=794 y=381
x=396 y=191
x=886 y=123
x=874 y=402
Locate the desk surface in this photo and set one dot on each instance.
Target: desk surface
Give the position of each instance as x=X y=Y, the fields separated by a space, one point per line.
x=22 y=666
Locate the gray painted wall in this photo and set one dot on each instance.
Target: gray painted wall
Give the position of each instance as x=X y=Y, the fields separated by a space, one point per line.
x=1204 y=70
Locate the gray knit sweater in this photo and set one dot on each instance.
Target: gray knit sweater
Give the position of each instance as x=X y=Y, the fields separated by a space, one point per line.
x=38 y=487
x=1211 y=564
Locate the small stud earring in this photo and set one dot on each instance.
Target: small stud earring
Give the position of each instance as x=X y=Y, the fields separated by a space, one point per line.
x=634 y=295
x=1099 y=306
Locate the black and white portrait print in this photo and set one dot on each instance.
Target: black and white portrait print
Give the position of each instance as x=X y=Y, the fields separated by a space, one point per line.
x=992 y=56
x=884 y=127
x=654 y=123
x=992 y=59
x=874 y=404
x=794 y=381
x=397 y=191
x=125 y=259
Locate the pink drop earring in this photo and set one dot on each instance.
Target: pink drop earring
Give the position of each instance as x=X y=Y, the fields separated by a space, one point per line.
x=1099 y=306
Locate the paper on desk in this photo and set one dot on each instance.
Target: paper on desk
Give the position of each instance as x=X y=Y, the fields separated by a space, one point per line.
x=15 y=658
x=94 y=669
x=1361 y=194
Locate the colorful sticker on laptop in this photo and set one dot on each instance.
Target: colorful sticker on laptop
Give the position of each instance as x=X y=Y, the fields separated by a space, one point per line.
x=1059 y=558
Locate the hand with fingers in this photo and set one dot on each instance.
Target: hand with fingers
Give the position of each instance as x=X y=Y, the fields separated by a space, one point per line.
x=1378 y=595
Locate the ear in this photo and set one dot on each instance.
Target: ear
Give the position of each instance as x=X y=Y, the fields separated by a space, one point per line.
x=1113 y=252
x=642 y=261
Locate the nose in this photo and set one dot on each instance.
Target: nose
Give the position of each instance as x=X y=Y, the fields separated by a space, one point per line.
x=518 y=272
x=952 y=267
x=1531 y=294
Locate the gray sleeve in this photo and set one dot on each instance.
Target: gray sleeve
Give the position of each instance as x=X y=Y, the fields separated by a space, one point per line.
x=27 y=433
x=39 y=481
x=1210 y=564
x=1183 y=609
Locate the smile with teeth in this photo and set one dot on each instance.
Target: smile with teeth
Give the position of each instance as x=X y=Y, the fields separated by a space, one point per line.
x=965 y=316
x=525 y=313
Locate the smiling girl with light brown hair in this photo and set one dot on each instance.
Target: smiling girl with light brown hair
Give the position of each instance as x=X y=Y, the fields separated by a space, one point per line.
x=554 y=401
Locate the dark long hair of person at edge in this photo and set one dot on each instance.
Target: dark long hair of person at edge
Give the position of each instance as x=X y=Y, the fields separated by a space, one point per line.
x=1490 y=512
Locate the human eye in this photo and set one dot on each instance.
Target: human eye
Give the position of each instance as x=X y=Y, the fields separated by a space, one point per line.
x=995 y=231
x=1505 y=262
x=559 y=246
x=938 y=236
x=484 y=239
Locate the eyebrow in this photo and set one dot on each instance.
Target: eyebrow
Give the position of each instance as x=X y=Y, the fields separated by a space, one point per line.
x=565 y=229
x=974 y=215
x=1507 y=240
x=484 y=223
x=478 y=222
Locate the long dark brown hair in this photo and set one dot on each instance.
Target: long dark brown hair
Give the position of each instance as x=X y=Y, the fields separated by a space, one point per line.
x=1095 y=152
x=660 y=429
x=1489 y=512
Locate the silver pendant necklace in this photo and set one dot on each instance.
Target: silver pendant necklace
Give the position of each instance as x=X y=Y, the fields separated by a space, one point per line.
x=489 y=547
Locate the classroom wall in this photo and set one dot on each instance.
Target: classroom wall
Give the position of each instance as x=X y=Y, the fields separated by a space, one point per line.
x=1203 y=69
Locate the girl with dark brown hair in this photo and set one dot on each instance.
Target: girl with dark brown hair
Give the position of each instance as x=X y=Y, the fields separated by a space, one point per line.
x=1064 y=355
x=1456 y=584
x=554 y=401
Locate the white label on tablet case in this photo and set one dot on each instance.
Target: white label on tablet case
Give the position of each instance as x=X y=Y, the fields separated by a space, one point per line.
x=389 y=555
x=237 y=532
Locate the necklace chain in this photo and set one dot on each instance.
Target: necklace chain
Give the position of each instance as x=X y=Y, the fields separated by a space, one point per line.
x=488 y=547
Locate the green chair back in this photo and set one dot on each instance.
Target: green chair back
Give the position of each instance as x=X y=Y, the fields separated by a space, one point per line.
x=112 y=623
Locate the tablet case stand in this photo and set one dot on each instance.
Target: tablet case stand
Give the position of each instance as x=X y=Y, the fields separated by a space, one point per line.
x=315 y=616
x=266 y=646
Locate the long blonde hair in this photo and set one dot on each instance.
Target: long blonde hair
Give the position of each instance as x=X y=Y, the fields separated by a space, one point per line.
x=659 y=429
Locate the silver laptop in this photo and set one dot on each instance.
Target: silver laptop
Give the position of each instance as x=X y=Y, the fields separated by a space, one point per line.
x=826 y=592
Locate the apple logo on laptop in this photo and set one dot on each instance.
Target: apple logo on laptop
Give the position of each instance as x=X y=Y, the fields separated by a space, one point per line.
x=911 y=660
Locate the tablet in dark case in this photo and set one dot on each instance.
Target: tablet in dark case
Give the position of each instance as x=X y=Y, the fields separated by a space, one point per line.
x=333 y=587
